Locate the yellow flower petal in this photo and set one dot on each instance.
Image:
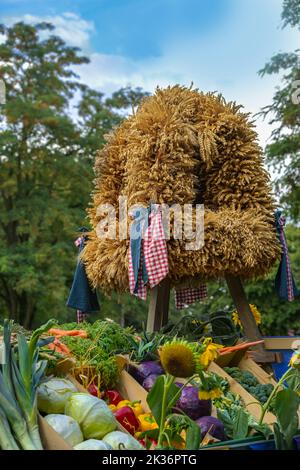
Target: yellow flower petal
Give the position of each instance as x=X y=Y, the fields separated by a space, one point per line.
x=295 y=361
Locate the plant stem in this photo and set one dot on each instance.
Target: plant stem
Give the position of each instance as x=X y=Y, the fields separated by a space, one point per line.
x=169 y=380
x=266 y=406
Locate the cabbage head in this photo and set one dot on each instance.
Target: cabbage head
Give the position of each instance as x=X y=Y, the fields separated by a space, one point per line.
x=53 y=394
x=93 y=415
x=92 y=444
x=121 y=441
x=67 y=427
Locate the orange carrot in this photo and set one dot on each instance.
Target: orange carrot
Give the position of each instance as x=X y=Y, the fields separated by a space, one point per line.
x=59 y=347
x=57 y=332
x=237 y=347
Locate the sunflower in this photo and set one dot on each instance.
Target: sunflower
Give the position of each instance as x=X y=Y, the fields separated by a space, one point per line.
x=178 y=358
x=210 y=353
x=295 y=361
x=257 y=316
x=210 y=394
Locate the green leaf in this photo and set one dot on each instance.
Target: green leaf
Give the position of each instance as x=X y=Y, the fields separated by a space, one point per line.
x=286 y=405
x=240 y=424
x=263 y=429
x=155 y=396
x=293 y=380
x=24 y=360
x=225 y=418
x=279 y=439
x=193 y=435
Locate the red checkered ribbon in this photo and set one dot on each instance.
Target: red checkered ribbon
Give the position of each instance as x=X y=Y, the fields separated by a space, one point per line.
x=190 y=295
x=78 y=241
x=155 y=249
x=155 y=255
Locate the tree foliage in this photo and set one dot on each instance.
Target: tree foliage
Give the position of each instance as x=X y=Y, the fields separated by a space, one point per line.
x=47 y=149
x=283 y=153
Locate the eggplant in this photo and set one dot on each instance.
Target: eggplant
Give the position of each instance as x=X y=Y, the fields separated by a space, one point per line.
x=190 y=404
x=141 y=371
x=213 y=426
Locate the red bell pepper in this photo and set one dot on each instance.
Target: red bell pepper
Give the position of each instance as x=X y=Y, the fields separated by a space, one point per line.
x=150 y=439
x=93 y=390
x=113 y=397
x=127 y=419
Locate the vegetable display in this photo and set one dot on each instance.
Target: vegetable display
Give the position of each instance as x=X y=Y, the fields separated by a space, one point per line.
x=190 y=404
x=92 y=444
x=93 y=415
x=134 y=405
x=66 y=427
x=121 y=441
x=94 y=346
x=178 y=414
x=20 y=375
x=143 y=370
x=260 y=391
x=52 y=395
x=212 y=426
x=149 y=381
x=127 y=419
x=113 y=397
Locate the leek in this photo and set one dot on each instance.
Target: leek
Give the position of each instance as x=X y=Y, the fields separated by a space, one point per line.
x=7 y=441
x=19 y=379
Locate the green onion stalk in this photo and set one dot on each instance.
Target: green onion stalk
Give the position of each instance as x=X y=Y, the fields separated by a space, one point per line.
x=7 y=440
x=19 y=379
x=16 y=420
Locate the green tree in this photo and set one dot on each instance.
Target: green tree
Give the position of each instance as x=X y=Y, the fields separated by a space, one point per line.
x=283 y=153
x=47 y=155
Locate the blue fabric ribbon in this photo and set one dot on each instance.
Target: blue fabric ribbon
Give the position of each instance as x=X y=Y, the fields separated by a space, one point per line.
x=285 y=285
x=137 y=229
x=82 y=296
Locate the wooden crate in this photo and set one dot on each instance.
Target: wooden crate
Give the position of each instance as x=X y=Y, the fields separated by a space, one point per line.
x=53 y=441
x=250 y=402
x=261 y=375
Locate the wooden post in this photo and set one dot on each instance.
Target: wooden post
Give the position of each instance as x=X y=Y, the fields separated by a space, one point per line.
x=159 y=306
x=250 y=328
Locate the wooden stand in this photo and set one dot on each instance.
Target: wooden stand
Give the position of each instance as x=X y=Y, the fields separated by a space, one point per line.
x=159 y=310
x=250 y=327
x=159 y=306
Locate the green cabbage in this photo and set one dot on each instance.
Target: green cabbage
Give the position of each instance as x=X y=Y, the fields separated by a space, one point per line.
x=53 y=394
x=92 y=444
x=93 y=415
x=119 y=441
x=67 y=427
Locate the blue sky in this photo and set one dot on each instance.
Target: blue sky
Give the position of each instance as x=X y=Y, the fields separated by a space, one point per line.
x=216 y=44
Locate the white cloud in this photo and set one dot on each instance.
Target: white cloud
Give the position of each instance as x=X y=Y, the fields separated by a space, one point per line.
x=69 y=26
x=226 y=60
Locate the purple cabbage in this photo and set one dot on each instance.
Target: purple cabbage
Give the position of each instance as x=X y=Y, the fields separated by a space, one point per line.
x=141 y=371
x=149 y=381
x=213 y=426
x=190 y=404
